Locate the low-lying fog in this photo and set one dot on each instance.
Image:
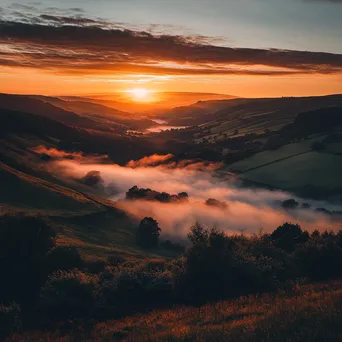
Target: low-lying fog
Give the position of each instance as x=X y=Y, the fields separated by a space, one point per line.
x=248 y=210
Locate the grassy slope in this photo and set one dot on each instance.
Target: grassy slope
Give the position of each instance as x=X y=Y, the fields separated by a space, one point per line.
x=309 y=313
x=303 y=166
x=271 y=156
x=313 y=168
x=84 y=220
x=254 y=115
x=92 y=224
x=32 y=193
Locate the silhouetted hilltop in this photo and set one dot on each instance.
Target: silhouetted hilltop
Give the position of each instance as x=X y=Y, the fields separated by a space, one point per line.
x=119 y=148
x=248 y=112
x=35 y=106
x=22 y=122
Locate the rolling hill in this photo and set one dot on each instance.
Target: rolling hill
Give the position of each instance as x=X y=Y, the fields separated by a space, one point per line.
x=30 y=105
x=162 y=101
x=219 y=118
x=80 y=114
x=82 y=216
x=29 y=185
x=119 y=147
x=99 y=112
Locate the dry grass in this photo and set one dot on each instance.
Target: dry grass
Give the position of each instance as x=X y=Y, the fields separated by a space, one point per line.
x=309 y=313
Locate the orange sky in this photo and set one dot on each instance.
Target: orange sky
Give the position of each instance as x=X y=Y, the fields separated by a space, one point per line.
x=62 y=51
x=28 y=81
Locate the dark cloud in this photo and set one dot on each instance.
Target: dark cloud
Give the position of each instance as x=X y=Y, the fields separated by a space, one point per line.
x=70 y=20
x=78 y=45
x=331 y=1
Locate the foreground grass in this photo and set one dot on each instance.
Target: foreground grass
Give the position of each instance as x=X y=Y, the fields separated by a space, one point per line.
x=308 y=313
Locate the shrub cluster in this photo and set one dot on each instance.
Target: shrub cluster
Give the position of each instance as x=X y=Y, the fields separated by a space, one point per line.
x=213 y=267
x=59 y=289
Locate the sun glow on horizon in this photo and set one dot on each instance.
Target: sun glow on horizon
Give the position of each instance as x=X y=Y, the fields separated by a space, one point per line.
x=140 y=94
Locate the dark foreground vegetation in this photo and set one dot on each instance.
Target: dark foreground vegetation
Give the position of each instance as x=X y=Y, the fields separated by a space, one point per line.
x=46 y=287
x=308 y=313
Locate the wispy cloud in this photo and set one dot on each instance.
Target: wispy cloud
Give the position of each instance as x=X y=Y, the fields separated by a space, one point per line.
x=79 y=45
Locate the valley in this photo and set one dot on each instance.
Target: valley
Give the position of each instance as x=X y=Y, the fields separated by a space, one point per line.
x=96 y=175
x=170 y=171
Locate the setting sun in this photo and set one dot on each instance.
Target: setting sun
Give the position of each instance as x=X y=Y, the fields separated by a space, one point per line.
x=139 y=94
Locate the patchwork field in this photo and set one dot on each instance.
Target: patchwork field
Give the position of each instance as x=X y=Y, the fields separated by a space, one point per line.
x=271 y=156
x=243 y=116
x=300 y=171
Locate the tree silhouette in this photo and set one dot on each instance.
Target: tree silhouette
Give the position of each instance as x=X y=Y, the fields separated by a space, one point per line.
x=288 y=236
x=148 y=233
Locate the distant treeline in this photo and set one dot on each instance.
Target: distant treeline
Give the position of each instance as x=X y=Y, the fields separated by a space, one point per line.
x=136 y=193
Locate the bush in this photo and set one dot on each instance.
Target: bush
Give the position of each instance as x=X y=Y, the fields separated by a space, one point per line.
x=319 y=260
x=67 y=297
x=9 y=319
x=24 y=243
x=276 y=261
x=63 y=258
x=217 y=267
x=133 y=288
x=207 y=273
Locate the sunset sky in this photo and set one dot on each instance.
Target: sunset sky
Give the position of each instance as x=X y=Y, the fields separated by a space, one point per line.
x=248 y=48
